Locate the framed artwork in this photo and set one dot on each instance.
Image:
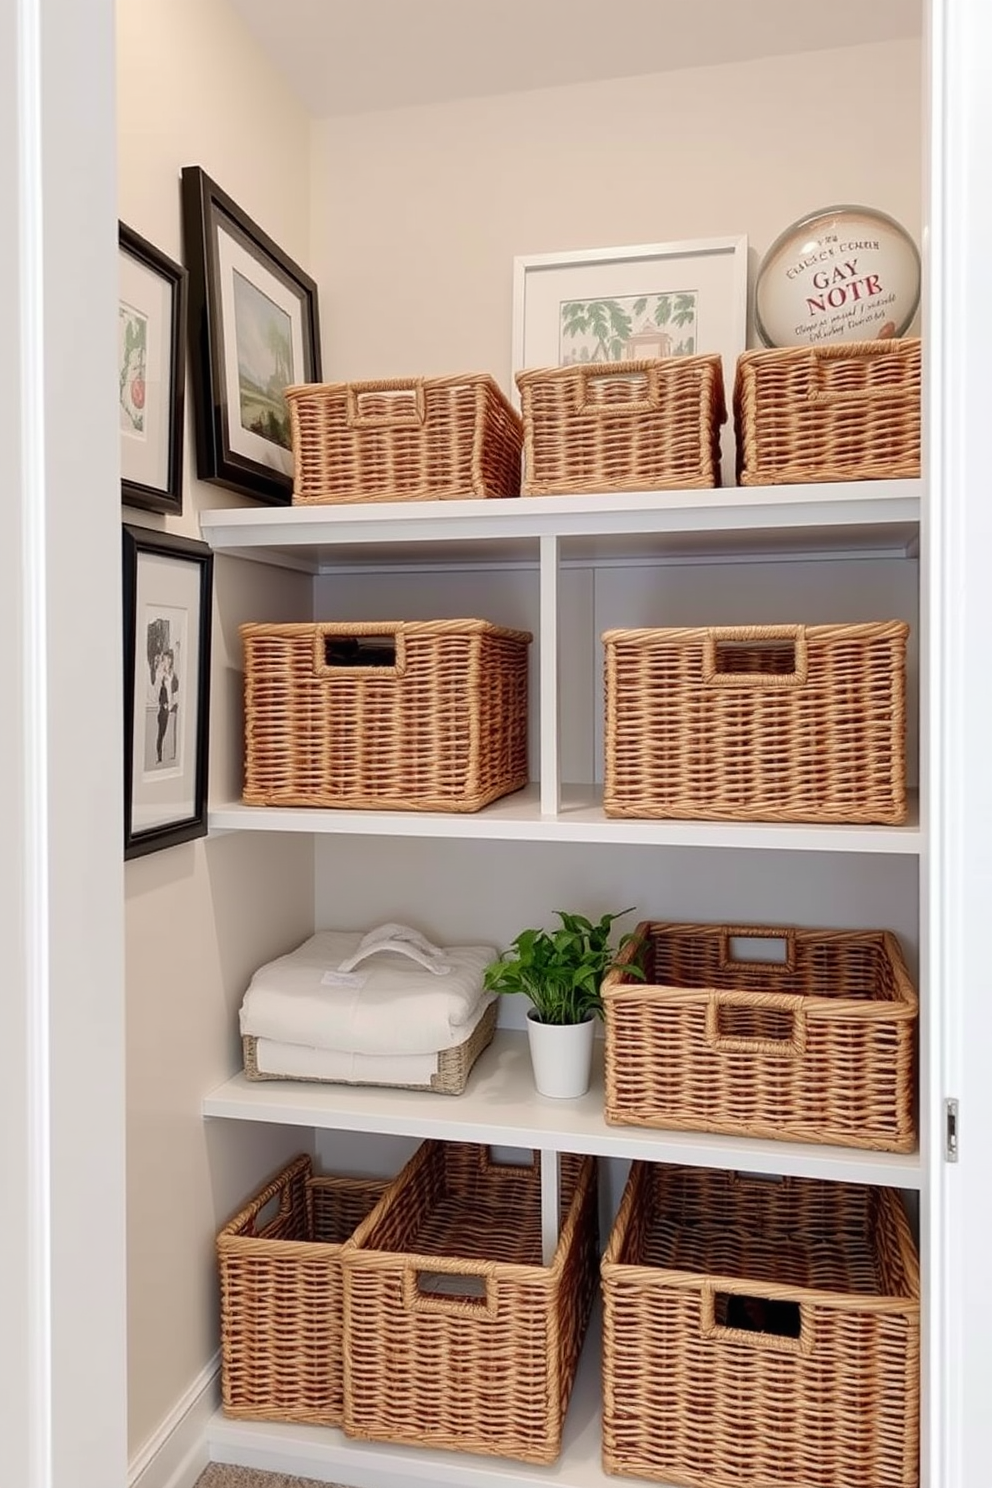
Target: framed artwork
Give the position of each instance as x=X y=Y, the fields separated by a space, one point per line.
x=624 y=304
x=168 y=586
x=253 y=332
x=151 y=369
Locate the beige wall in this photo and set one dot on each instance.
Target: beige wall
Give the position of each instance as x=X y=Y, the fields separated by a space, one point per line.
x=417 y=213
x=194 y=90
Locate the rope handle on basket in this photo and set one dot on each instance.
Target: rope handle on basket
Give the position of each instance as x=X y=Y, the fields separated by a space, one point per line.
x=454 y=1291
x=405 y=394
x=791 y=1045
x=768 y=1318
x=786 y=937
x=636 y=378
x=390 y=633
x=840 y=352
x=753 y=636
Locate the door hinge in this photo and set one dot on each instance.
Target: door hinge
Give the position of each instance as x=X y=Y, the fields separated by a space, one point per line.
x=951 y=1130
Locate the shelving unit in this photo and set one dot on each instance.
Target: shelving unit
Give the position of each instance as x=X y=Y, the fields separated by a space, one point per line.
x=857 y=521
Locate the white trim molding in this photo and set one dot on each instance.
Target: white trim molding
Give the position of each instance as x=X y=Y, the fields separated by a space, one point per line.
x=176 y=1454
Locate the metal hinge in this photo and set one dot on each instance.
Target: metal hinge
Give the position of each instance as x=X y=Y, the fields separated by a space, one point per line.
x=951 y=1131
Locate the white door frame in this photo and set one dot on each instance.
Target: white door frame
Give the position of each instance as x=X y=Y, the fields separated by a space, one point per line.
x=62 y=1272
x=960 y=769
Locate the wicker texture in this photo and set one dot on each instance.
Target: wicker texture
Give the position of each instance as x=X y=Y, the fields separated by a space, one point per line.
x=457 y=1335
x=624 y=426
x=843 y=412
x=698 y=1390
x=403 y=439
x=282 y=1296
x=757 y=723
x=450 y=1077
x=817 y=1048
x=443 y=727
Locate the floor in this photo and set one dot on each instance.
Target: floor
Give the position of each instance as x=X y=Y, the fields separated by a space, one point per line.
x=218 y=1476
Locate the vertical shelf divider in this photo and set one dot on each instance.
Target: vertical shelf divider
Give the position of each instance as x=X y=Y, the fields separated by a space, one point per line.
x=550 y=751
x=549 y=1205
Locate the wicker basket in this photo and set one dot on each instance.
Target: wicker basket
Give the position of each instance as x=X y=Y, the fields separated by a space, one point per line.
x=760 y=1332
x=757 y=723
x=624 y=426
x=843 y=412
x=420 y=716
x=282 y=1296
x=403 y=439
x=818 y=1047
x=457 y=1335
x=450 y=1077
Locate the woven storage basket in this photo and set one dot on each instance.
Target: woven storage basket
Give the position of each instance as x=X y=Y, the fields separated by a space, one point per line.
x=457 y=1335
x=282 y=1296
x=816 y=1048
x=757 y=723
x=625 y=426
x=422 y=716
x=760 y=1332
x=403 y=439
x=450 y=1077
x=849 y=411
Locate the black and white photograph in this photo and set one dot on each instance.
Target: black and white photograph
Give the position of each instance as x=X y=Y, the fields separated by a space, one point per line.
x=167 y=611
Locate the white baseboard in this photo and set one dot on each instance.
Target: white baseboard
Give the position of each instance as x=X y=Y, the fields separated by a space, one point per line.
x=176 y=1455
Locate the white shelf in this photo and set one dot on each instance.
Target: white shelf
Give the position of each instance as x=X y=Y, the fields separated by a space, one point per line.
x=500 y=1107
x=580 y=819
x=327 y=1455
x=863 y=517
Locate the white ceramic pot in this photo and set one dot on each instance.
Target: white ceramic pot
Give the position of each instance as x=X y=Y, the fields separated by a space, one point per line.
x=561 y=1055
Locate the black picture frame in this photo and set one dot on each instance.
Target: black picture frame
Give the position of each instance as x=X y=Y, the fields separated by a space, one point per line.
x=247 y=299
x=152 y=310
x=168 y=599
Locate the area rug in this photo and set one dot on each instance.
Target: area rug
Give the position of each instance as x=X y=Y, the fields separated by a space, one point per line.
x=219 y=1476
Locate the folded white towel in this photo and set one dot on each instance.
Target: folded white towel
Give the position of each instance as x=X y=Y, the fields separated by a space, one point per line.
x=381 y=1003
x=296 y=1061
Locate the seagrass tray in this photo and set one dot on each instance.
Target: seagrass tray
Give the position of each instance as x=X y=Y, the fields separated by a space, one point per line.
x=757 y=723
x=403 y=715
x=404 y=439
x=282 y=1296
x=449 y=1078
x=760 y=1332
x=809 y=1037
x=842 y=412
x=457 y=1335
x=624 y=426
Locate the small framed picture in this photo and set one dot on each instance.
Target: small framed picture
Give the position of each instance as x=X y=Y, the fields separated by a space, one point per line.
x=168 y=588
x=610 y=305
x=254 y=332
x=151 y=374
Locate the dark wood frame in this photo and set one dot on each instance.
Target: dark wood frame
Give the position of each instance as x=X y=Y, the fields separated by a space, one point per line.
x=135 y=493
x=204 y=205
x=136 y=541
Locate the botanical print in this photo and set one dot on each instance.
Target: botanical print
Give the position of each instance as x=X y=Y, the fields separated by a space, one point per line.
x=132 y=360
x=628 y=328
x=264 y=335
x=165 y=648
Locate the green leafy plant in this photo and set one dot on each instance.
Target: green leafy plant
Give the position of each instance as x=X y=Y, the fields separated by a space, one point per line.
x=561 y=970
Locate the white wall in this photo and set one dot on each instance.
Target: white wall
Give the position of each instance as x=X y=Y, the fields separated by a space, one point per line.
x=195 y=90
x=418 y=213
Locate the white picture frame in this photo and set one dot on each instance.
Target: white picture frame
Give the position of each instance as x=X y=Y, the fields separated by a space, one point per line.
x=679 y=298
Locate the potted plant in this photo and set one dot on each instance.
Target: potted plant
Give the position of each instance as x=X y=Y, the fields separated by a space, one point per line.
x=560 y=971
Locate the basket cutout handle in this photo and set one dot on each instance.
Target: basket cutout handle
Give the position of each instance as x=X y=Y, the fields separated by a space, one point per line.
x=363 y=648
x=631 y=393
x=737 y=943
x=491 y=1162
x=397 y=403
x=872 y=392
x=744 y=1315
x=768 y=1023
x=755 y=656
x=454 y=1292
